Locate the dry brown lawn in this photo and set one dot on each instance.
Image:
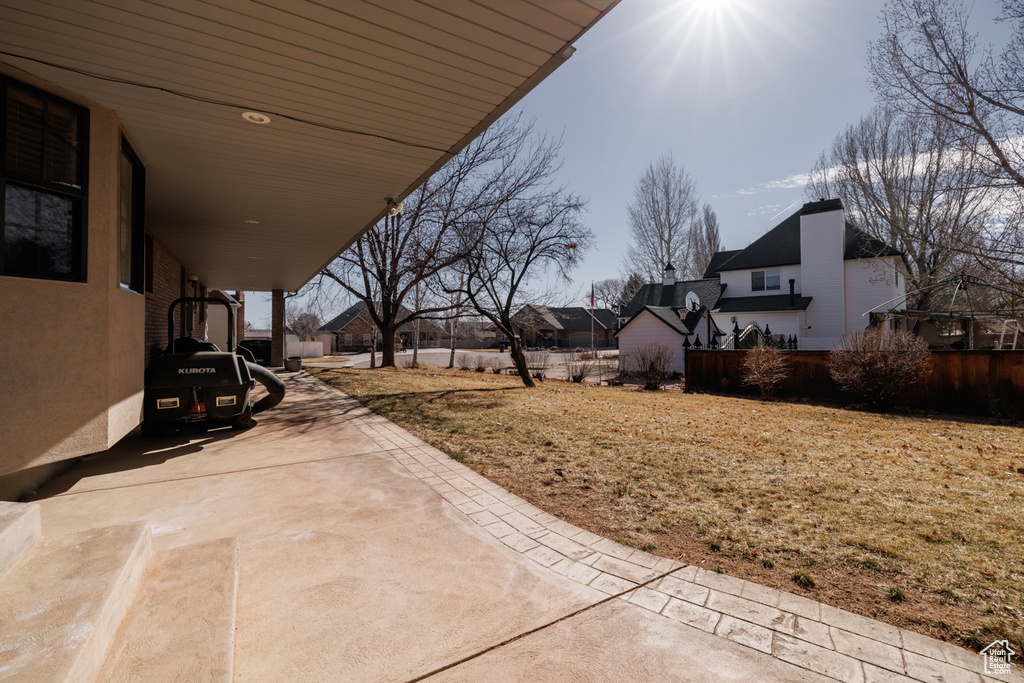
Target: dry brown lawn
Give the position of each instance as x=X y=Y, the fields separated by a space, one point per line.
x=871 y=507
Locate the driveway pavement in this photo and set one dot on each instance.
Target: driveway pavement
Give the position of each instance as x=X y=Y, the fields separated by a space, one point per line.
x=367 y=555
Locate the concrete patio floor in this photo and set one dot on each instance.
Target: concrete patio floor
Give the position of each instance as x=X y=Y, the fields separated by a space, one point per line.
x=366 y=555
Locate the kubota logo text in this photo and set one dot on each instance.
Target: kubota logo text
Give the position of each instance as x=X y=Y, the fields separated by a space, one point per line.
x=196 y=371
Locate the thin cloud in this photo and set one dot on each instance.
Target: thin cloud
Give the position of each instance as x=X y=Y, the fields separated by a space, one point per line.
x=793 y=182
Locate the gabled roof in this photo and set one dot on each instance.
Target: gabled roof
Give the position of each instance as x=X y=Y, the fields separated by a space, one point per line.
x=718 y=260
x=687 y=325
x=780 y=246
x=674 y=296
x=342 y=321
x=571 y=318
x=762 y=304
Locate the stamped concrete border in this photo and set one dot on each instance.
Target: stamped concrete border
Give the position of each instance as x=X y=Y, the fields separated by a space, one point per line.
x=795 y=629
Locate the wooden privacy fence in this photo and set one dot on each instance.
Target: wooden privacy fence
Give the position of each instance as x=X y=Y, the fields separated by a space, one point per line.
x=977 y=382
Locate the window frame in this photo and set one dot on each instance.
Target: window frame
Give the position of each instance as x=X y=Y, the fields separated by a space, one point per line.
x=764 y=275
x=137 y=221
x=79 y=197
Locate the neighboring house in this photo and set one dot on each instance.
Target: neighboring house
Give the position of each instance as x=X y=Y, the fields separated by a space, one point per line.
x=469 y=334
x=565 y=327
x=669 y=313
x=814 y=276
x=353 y=330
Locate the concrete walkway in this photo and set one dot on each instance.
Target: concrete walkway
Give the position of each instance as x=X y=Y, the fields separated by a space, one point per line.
x=365 y=554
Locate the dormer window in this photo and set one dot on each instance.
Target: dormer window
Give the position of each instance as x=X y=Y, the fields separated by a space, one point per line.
x=761 y=280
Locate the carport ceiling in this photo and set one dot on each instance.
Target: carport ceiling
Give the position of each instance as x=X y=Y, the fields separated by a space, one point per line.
x=365 y=100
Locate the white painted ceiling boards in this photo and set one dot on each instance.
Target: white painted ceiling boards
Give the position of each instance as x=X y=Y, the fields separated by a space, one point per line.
x=365 y=99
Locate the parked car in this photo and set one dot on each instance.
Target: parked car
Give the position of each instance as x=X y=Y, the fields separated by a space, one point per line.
x=260 y=348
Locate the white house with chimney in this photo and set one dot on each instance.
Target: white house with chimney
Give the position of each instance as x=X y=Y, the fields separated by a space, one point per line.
x=814 y=277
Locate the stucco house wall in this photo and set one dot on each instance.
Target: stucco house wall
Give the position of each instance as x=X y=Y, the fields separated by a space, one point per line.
x=77 y=400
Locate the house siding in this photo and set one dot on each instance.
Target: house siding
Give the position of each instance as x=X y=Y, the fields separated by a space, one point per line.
x=870 y=283
x=647 y=329
x=738 y=281
x=822 y=243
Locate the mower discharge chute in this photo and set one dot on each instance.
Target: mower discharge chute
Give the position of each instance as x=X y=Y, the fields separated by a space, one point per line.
x=194 y=381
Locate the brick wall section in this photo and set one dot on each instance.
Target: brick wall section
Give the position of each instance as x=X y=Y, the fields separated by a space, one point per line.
x=357 y=328
x=166 y=288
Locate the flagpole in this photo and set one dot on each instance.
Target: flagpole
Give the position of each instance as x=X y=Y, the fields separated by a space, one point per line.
x=593 y=348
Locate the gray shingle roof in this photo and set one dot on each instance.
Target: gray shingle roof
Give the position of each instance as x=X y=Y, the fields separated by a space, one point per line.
x=573 y=317
x=780 y=246
x=674 y=296
x=341 y=321
x=689 y=324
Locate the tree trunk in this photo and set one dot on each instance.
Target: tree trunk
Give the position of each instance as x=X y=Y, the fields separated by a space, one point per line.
x=373 y=348
x=387 y=348
x=416 y=346
x=519 y=358
x=451 y=358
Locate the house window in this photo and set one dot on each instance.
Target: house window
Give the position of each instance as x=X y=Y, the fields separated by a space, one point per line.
x=42 y=175
x=760 y=280
x=366 y=340
x=348 y=340
x=132 y=220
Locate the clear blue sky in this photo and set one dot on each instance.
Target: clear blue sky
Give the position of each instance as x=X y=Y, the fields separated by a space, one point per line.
x=745 y=94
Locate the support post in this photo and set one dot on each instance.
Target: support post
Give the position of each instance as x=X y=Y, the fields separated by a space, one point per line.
x=277 y=328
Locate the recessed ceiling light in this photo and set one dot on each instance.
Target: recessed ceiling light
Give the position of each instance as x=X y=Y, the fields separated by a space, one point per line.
x=249 y=221
x=256 y=117
x=254 y=258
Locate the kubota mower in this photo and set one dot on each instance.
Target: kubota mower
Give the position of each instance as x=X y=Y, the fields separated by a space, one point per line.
x=194 y=381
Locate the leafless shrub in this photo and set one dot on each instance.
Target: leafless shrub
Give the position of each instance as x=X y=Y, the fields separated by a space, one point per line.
x=464 y=361
x=877 y=364
x=765 y=367
x=404 y=363
x=538 y=362
x=651 y=364
x=578 y=364
x=481 y=362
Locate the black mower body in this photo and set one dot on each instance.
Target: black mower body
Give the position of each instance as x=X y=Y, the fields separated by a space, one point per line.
x=193 y=381
x=197 y=386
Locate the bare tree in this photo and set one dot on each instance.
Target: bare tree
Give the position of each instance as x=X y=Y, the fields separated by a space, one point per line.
x=302 y=323
x=651 y=363
x=705 y=240
x=929 y=64
x=908 y=183
x=607 y=293
x=434 y=230
x=765 y=367
x=634 y=282
x=661 y=216
x=535 y=230
x=530 y=238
